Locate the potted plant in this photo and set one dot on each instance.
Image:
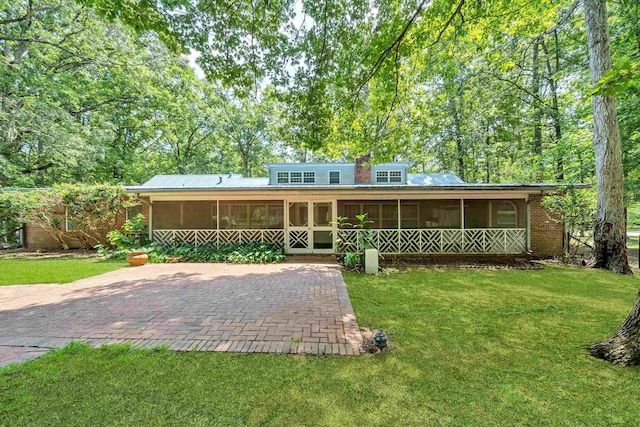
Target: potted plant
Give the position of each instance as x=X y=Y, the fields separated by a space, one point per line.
x=137 y=258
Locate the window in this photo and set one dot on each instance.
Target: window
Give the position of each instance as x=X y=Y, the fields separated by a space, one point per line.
x=283 y=177
x=295 y=177
x=68 y=224
x=382 y=176
x=251 y=216
x=382 y=214
x=334 y=177
x=388 y=176
x=395 y=176
x=410 y=214
x=309 y=177
x=132 y=211
x=507 y=214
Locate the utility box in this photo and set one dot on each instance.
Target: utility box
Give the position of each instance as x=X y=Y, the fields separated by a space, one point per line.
x=371 y=261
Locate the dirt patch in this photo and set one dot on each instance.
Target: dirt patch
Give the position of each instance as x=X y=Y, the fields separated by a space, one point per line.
x=495 y=264
x=43 y=254
x=367 y=342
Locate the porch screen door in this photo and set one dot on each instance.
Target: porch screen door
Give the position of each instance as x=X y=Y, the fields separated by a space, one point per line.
x=299 y=228
x=322 y=230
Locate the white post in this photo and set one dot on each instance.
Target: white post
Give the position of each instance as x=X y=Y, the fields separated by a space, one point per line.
x=528 y=225
x=399 y=229
x=462 y=224
x=371 y=261
x=150 y=220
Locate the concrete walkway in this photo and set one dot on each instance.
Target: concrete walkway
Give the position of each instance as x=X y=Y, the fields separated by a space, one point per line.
x=284 y=308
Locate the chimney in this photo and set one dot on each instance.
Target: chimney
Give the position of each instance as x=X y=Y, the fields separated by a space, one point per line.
x=363 y=169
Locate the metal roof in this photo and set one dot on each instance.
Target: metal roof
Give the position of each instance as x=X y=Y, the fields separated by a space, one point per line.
x=435 y=181
x=214 y=181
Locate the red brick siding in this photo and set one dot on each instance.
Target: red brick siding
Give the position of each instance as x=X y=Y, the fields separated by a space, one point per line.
x=36 y=237
x=363 y=170
x=546 y=233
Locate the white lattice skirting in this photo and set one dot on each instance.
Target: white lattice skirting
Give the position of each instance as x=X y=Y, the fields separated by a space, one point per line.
x=390 y=241
x=440 y=241
x=216 y=237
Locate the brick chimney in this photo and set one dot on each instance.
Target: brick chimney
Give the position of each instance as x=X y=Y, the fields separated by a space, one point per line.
x=363 y=170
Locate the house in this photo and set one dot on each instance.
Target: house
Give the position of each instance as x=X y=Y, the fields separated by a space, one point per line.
x=297 y=205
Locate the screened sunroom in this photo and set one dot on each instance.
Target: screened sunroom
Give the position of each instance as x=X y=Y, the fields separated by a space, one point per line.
x=399 y=226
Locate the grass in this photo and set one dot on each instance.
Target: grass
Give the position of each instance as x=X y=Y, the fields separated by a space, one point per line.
x=470 y=347
x=633 y=218
x=25 y=271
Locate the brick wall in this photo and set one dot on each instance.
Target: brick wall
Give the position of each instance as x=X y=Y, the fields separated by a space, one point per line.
x=547 y=235
x=36 y=237
x=363 y=170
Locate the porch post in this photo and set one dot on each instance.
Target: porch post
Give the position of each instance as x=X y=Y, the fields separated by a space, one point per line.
x=334 y=225
x=399 y=228
x=217 y=215
x=462 y=224
x=150 y=220
x=528 y=225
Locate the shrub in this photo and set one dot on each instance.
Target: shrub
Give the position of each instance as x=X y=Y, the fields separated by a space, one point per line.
x=239 y=253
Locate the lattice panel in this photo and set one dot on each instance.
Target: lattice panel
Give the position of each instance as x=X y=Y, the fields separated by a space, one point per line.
x=430 y=241
x=474 y=241
x=451 y=241
x=249 y=236
x=274 y=236
x=515 y=241
x=206 y=237
x=348 y=241
x=387 y=241
x=298 y=239
x=184 y=237
x=228 y=237
x=163 y=237
x=495 y=241
x=410 y=241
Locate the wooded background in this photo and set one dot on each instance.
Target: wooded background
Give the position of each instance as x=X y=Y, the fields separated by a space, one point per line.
x=101 y=91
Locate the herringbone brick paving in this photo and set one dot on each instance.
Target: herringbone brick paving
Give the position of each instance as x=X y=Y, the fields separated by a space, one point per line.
x=283 y=308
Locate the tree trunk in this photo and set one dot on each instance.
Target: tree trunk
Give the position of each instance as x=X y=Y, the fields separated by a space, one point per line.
x=624 y=347
x=610 y=246
x=457 y=129
x=537 y=112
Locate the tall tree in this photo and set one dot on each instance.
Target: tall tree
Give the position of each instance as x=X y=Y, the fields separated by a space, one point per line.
x=610 y=247
x=610 y=233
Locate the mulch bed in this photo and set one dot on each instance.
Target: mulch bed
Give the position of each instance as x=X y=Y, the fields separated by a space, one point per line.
x=44 y=254
x=496 y=264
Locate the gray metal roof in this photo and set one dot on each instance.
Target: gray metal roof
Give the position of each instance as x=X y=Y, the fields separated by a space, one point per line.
x=214 y=181
x=435 y=181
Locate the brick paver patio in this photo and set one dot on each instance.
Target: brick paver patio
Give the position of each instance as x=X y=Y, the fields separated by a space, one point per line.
x=284 y=308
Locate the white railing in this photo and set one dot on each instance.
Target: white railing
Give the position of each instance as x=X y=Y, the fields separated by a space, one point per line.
x=440 y=241
x=387 y=241
x=216 y=237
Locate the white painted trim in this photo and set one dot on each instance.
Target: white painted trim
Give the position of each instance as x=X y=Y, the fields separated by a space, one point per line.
x=331 y=195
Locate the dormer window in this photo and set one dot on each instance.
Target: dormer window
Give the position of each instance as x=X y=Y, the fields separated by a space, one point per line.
x=296 y=177
x=283 y=177
x=334 y=177
x=309 y=177
x=383 y=177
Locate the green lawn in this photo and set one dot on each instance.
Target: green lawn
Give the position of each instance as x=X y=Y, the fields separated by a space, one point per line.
x=633 y=218
x=470 y=347
x=22 y=271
